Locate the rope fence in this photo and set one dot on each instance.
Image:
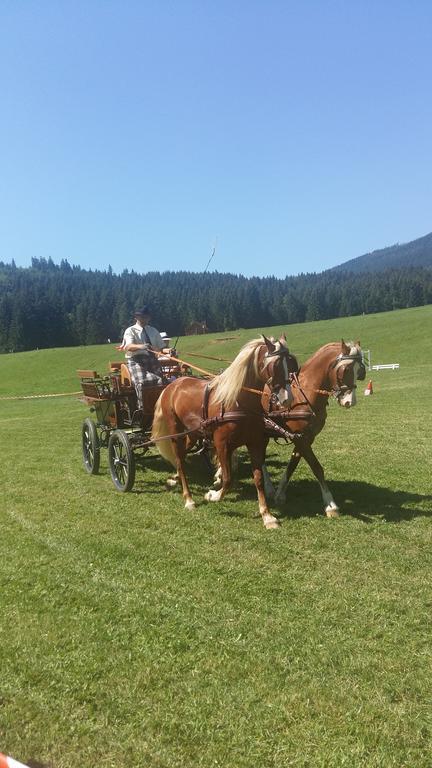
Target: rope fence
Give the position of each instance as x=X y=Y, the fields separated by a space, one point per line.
x=37 y=397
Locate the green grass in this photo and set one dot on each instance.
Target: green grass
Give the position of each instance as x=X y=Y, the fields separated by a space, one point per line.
x=135 y=632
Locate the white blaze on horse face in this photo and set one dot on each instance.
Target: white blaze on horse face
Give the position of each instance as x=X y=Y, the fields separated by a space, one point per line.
x=348 y=399
x=285 y=396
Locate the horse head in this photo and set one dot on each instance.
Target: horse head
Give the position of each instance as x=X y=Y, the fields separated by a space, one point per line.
x=345 y=371
x=276 y=368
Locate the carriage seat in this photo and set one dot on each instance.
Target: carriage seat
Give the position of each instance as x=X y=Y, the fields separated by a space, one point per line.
x=125 y=379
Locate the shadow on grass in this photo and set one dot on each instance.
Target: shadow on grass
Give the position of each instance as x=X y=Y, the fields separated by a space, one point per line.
x=37 y=764
x=198 y=472
x=363 y=501
x=357 y=499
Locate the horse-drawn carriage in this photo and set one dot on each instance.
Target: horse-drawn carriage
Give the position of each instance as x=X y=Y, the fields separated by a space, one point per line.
x=118 y=425
x=261 y=395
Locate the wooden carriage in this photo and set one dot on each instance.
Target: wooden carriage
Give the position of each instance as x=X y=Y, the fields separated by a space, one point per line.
x=117 y=424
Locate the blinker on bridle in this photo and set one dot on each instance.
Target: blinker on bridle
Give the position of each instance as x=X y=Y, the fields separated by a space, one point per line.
x=281 y=353
x=361 y=375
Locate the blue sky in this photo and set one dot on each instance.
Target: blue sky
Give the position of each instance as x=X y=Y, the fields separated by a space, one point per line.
x=136 y=133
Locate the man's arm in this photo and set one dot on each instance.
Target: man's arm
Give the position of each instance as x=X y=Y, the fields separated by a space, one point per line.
x=130 y=344
x=157 y=342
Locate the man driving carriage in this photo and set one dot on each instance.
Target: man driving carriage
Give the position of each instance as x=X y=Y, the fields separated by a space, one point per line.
x=140 y=342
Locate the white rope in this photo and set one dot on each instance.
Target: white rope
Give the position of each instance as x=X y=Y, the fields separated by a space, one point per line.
x=36 y=397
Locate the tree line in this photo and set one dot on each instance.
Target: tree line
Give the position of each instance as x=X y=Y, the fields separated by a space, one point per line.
x=55 y=305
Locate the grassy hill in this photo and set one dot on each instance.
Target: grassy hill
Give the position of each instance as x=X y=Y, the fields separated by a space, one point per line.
x=135 y=632
x=416 y=253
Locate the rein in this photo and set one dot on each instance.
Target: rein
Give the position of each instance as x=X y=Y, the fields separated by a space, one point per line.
x=336 y=391
x=208 y=373
x=270 y=418
x=301 y=390
x=209 y=424
x=184 y=362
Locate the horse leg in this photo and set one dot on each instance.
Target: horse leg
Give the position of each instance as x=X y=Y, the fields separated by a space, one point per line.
x=257 y=455
x=268 y=485
x=174 y=451
x=217 y=484
x=173 y=481
x=179 y=447
x=331 y=509
x=223 y=473
x=289 y=471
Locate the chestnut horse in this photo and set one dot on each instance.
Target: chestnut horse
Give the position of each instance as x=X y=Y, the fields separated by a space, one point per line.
x=333 y=370
x=232 y=417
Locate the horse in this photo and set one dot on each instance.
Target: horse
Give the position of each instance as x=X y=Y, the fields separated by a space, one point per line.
x=333 y=370
x=228 y=412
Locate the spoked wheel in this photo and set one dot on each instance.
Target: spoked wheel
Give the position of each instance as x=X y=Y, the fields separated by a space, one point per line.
x=90 y=447
x=121 y=461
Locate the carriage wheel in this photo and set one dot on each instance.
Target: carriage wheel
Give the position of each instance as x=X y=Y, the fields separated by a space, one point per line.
x=90 y=447
x=121 y=461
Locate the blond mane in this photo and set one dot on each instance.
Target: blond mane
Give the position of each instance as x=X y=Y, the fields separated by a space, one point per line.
x=243 y=372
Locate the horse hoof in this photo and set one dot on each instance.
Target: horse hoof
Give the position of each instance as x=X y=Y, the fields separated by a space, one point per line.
x=212 y=495
x=271 y=522
x=171 y=482
x=190 y=505
x=332 y=510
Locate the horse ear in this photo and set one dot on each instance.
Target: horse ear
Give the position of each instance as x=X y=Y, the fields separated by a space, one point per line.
x=345 y=348
x=269 y=344
x=283 y=340
x=357 y=343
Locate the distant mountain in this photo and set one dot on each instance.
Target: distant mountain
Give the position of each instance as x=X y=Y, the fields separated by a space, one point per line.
x=417 y=253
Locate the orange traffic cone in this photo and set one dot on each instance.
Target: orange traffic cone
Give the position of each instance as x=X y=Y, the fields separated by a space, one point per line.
x=9 y=762
x=369 y=388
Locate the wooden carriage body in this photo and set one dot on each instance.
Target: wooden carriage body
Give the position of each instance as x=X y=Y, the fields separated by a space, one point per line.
x=113 y=398
x=116 y=424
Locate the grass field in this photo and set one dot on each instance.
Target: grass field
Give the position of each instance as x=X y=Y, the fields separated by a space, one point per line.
x=136 y=633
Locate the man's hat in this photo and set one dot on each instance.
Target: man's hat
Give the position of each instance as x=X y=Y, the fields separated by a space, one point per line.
x=142 y=311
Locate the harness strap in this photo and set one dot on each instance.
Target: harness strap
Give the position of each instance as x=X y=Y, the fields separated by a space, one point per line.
x=205 y=402
x=299 y=387
x=168 y=437
x=291 y=415
x=223 y=418
x=356 y=357
x=275 y=430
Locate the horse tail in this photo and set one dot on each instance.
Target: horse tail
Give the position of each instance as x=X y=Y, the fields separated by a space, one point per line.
x=160 y=429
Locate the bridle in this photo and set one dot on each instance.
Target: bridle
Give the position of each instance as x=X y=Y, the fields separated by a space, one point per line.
x=275 y=413
x=346 y=362
x=271 y=388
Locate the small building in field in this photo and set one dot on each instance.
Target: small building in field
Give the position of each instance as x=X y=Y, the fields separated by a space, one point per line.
x=196 y=327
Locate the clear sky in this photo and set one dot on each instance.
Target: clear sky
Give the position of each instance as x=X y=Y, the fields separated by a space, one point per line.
x=135 y=133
